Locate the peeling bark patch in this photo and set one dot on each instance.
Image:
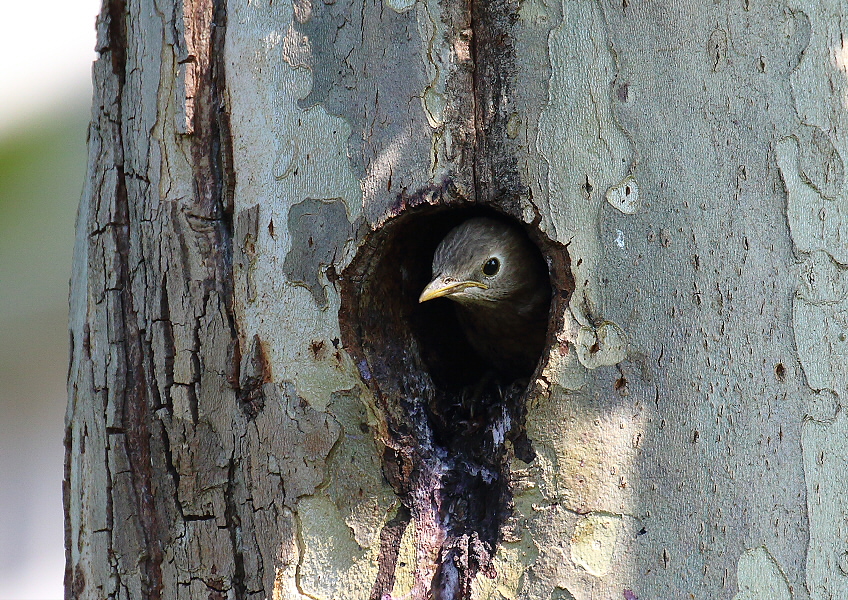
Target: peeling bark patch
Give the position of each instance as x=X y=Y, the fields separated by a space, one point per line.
x=625 y=196
x=378 y=103
x=318 y=230
x=821 y=167
x=561 y=593
x=798 y=36
x=296 y=439
x=758 y=575
x=594 y=541
x=452 y=431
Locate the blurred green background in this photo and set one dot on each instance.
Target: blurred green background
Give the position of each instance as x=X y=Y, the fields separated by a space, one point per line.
x=44 y=109
x=42 y=165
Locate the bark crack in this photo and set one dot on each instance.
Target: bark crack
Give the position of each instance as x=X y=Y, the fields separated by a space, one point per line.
x=134 y=394
x=233 y=521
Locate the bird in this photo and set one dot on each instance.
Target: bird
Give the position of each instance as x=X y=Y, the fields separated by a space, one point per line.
x=499 y=283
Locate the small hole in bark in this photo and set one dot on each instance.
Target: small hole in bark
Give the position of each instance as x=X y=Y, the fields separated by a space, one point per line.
x=453 y=419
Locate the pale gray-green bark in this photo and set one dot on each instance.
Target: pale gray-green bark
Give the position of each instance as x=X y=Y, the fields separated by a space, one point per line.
x=687 y=422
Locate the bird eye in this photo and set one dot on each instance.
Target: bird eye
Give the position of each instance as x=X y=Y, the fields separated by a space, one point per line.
x=491 y=267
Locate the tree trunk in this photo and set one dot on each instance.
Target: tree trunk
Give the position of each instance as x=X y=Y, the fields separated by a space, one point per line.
x=258 y=406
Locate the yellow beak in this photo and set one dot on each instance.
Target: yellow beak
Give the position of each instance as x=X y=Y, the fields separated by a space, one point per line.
x=439 y=287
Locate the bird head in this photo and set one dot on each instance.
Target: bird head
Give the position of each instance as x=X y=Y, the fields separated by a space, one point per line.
x=482 y=261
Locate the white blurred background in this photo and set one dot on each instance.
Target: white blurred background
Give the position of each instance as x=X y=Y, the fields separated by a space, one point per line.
x=46 y=50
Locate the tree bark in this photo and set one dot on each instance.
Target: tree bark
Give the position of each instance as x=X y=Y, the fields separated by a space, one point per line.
x=251 y=413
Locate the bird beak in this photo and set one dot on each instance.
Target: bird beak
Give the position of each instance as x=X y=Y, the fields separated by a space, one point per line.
x=439 y=287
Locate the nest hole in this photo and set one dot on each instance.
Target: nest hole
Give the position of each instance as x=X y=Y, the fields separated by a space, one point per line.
x=412 y=353
x=431 y=386
x=392 y=329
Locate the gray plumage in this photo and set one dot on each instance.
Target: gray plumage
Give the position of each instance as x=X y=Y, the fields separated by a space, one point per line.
x=503 y=313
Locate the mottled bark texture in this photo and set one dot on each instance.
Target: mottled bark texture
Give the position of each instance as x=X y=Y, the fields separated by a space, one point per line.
x=260 y=409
